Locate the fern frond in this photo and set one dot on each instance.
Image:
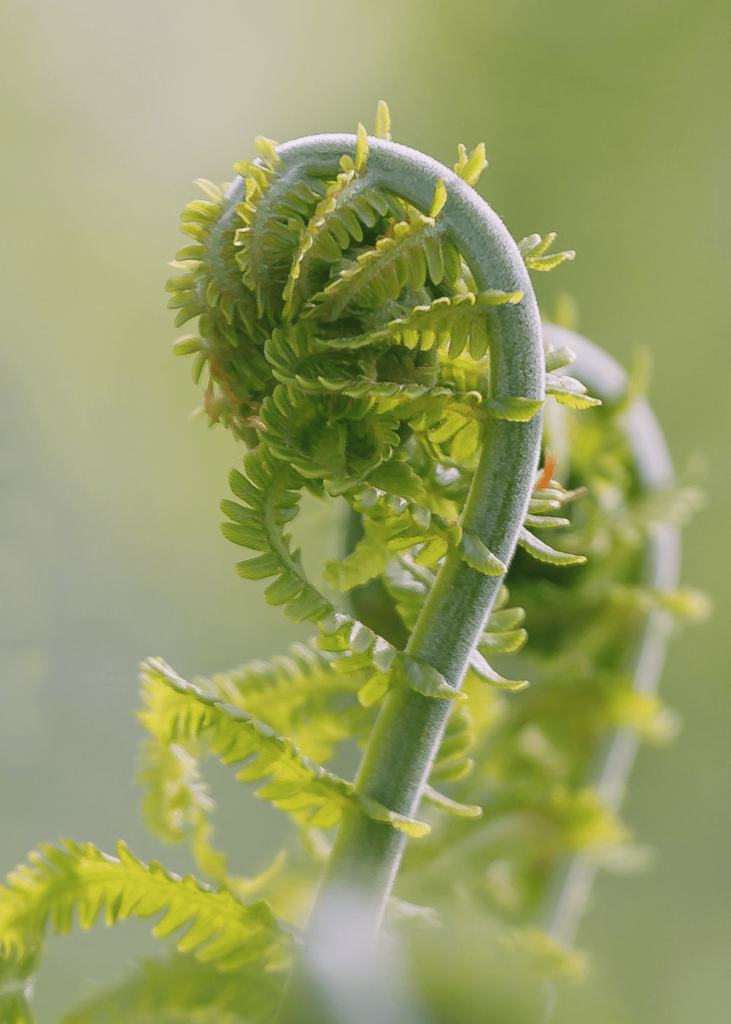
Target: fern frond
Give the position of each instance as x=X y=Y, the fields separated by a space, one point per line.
x=458 y=322
x=516 y=409
x=548 y=496
x=77 y=878
x=183 y=990
x=379 y=379
x=176 y=803
x=366 y=561
x=545 y=553
x=419 y=676
x=409 y=585
x=268 y=233
x=349 y=205
x=397 y=478
x=546 y=522
x=484 y=671
x=270 y=491
x=477 y=556
x=556 y=358
x=552 y=497
x=301 y=695
x=359 y=648
x=533 y=248
x=569 y=391
x=470 y=166
x=445 y=803
x=332 y=438
x=400 y=259
x=318 y=368
x=16 y=986
x=453 y=761
x=177 y=711
x=383 y=121
x=388 y=532
x=230 y=338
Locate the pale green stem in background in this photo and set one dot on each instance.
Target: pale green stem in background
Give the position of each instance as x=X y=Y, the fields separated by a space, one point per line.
x=608 y=380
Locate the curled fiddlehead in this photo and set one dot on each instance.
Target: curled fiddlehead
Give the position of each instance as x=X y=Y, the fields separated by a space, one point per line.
x=406 y=374
x=369 y=327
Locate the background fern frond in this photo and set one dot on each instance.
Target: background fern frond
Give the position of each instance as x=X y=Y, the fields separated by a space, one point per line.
x=179 y=711
x=16 y=986
x=76 y=878
x=182 y=990
x=383 y=121
x=176 y=803
x=301 y=695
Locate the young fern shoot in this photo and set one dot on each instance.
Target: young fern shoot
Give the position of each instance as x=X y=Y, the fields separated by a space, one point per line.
x=368 y=329
x=379 y=277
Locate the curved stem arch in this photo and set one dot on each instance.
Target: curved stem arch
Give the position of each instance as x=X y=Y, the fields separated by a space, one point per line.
x=406 y=738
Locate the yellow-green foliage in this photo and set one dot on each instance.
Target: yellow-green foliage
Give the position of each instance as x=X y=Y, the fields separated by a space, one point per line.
x=343 y=338
x=76 y=879
x=178 y=712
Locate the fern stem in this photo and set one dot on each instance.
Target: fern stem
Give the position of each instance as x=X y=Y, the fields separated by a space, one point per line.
x=406 y=738
x=409 y=729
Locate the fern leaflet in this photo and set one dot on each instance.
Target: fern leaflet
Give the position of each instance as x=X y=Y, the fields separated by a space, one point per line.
x=270 y=491
x=403 y=258
x=176 y=803
x=457 y=322
x=301 y=695
x=534 y=251
x=78 y=878
x=179 y=711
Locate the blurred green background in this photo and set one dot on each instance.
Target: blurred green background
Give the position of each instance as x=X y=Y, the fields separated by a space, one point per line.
x=606 y=122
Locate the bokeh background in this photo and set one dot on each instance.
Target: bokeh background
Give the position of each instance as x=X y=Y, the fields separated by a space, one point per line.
x=608 y=122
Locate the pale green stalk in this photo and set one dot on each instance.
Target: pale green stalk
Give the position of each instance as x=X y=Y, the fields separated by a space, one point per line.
x=661 y=571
